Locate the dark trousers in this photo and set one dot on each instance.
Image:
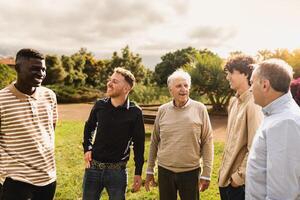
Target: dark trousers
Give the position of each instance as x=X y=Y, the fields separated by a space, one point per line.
x=16 y=190
x=0 y=191
x=185 y=183
x=232 y=193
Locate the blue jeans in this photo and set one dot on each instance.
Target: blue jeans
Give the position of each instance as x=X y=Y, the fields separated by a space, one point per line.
x=113 y=180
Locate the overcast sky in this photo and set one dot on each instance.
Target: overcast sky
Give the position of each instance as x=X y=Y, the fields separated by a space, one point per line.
x=150 y=27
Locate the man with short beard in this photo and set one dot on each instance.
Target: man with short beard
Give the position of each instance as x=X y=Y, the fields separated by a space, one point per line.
x=115 y=123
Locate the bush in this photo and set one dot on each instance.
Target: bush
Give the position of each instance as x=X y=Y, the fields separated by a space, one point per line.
x=295 y=90
x=7 y=75
x=149 y=94
x=69 y=94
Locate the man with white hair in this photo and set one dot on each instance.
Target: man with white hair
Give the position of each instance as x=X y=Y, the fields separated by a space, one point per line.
x=273 y=167
x=182 y=135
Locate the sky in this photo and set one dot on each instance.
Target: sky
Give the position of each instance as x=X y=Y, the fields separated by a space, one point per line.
x=151 y=28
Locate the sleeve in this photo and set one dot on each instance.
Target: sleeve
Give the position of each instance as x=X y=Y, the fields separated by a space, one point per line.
x=89 y=130
x=254 y=118
x=139 y=143
x=283 y=161
x=207 y=148
x=55 y=110
x=155 y=139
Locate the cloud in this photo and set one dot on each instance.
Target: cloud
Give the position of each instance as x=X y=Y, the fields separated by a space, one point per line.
x=211 y=37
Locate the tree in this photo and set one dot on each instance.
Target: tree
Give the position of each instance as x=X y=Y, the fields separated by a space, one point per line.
x=7 y=75
x=209 y=79
x=130 y=61
x=172 y=61
x=55 y=71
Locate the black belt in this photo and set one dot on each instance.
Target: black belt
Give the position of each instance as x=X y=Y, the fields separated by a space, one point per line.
x=99 y=165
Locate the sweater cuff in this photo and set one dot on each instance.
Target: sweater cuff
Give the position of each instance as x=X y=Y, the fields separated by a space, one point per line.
x=237 y=179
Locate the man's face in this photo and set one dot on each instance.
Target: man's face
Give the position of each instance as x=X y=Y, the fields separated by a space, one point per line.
x=31 y=72
x=180 y=90
x=117 y=86
x=236 y=79
x=257 y=89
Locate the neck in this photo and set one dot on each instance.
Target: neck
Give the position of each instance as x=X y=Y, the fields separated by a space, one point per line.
x=272 y=97
x=243 y=89
x=180 y=103
x=118 y=101
x=25 y=88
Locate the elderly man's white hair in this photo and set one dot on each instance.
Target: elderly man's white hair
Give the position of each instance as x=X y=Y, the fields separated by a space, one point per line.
x=179 y=73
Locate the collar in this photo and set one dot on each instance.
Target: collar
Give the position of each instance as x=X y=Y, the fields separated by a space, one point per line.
x=243 y=97
x=125 y=105
x=185 y=105
x=20 y=95
x=277 y=105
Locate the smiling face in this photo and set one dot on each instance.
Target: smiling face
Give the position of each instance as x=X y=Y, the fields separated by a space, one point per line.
x=117 y=86
x=31 y=72
x=180 y=90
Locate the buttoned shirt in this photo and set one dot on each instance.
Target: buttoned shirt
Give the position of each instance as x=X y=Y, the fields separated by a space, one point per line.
x=273 y=168
x=244 y=117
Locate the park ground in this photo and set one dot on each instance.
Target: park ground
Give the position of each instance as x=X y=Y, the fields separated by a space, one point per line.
x=69 y=155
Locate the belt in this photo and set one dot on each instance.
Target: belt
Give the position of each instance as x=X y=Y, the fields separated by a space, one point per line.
x=99 y=165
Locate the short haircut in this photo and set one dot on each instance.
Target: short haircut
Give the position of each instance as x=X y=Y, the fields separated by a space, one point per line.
x=129 y=77
x=241 y=63
x=29 y=53
x=179 y=73
x=278 y=72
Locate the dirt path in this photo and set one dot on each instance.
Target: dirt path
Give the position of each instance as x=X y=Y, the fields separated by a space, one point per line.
x=80 y=112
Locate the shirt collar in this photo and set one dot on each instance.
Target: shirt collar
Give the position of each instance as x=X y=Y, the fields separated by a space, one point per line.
x=243 y=97
x=185 y=105
x=126 y=104
x=20 y=95
x=277 y=105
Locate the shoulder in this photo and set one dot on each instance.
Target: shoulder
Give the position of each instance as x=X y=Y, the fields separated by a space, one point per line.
x=135 y=107
x=165 y=106
x=198 y=106
x=45 y=90
x=101 y=102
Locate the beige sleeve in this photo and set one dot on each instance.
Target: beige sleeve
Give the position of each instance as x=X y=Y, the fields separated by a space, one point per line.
x=254 y=118
x=207 y=148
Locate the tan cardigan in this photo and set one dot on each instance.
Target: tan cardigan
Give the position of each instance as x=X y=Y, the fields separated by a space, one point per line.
x=244 y=117
x=181 y=137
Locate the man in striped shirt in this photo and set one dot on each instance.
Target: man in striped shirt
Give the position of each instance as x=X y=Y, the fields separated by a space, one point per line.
x=28 y=114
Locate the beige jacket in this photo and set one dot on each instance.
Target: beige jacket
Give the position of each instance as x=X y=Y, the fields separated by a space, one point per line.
x=244 y=117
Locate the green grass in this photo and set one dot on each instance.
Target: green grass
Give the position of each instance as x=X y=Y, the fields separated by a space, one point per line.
x=70 y=166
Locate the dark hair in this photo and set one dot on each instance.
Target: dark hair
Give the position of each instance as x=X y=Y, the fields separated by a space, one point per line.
x=29 y=53
x=241 y=63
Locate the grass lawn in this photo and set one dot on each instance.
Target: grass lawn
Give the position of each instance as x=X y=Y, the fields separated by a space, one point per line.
x=70 y=166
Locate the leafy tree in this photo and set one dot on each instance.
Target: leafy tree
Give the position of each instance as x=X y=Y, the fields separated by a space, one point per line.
x=209 y=79
x=7 y=75
x=172 y=61
x=130 y=61
x=55 y=71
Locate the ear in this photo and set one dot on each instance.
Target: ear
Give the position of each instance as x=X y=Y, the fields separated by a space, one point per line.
x=266 y=85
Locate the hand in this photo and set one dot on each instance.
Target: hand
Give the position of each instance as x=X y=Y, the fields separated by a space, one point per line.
x=233 y=184
x=88 y=159
x=203 y=184
x=150 y=181
x=137 y=183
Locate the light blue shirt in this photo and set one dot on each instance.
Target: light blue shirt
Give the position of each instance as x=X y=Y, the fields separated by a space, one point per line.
x=273 y=167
